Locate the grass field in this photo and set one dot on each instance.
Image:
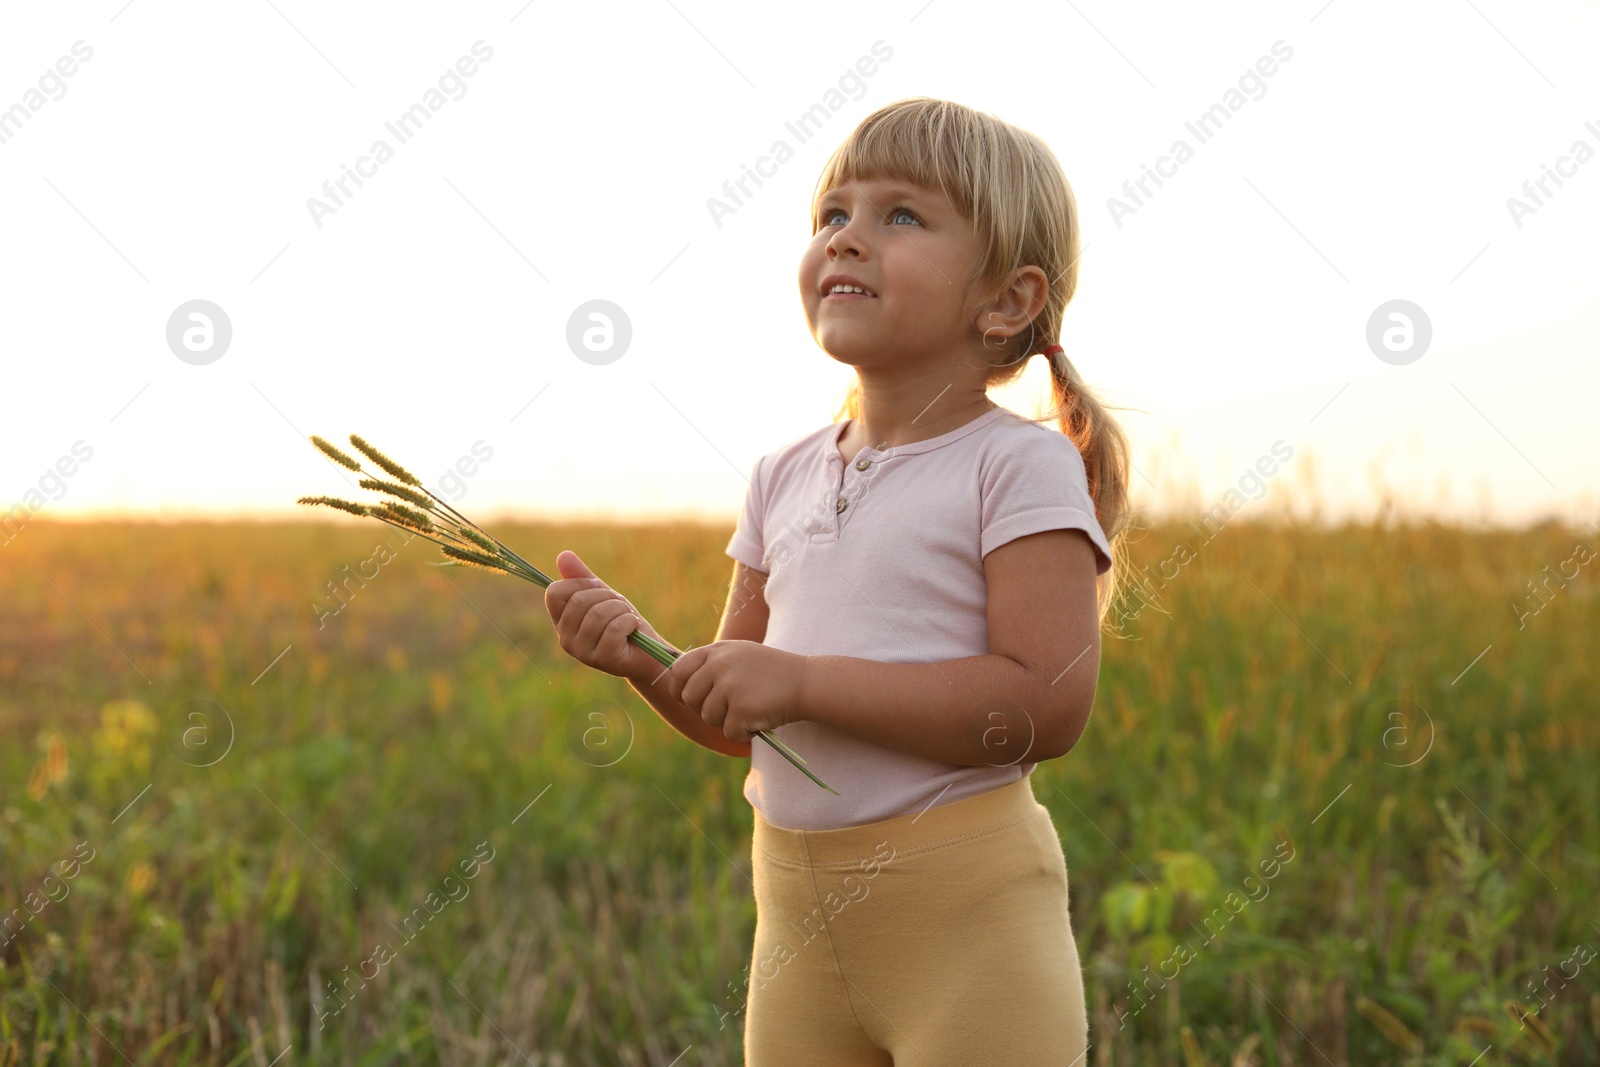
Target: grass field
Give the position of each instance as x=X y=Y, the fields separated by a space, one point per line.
x=231 y=833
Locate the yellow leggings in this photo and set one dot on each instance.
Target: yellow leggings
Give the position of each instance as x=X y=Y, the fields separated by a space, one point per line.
x=940 y=939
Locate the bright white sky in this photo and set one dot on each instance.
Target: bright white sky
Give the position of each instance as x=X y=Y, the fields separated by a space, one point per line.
x=430 y=311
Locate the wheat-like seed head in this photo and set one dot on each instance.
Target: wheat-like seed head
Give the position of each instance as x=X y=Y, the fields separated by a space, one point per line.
x=400 y=511
x=335 y=502
x=473 y=559
x=334 y=454
x=479 y=539
x=394 y=517
x=404 y=524
x=384 y=461
x=421 y=500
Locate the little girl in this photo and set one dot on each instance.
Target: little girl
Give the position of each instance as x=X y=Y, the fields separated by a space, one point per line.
x=915 y=609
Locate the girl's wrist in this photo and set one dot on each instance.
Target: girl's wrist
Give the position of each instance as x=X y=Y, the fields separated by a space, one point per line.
x=802 y=699
x=650 y=670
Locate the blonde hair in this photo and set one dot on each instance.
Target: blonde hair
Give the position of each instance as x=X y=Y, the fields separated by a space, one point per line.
x=1009 y=185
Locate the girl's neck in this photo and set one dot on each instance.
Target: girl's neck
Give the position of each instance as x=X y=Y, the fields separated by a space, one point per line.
x=887 y=422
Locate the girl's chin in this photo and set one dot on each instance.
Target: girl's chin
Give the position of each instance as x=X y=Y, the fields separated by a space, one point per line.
x=850 y=355
x=851 y=350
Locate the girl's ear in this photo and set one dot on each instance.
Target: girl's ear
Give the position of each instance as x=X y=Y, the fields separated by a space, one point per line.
x=1015 y=305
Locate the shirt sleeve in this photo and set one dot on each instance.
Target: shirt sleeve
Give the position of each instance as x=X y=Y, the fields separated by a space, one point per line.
x=747 y=544
x=1039 y=484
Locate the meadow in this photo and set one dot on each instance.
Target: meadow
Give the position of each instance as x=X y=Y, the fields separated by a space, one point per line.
x=1336 y=804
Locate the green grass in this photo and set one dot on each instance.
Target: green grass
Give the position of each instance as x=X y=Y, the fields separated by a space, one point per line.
x=615 y=920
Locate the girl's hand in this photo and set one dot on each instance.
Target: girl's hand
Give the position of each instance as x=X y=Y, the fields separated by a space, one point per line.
x=740 y=686
x=593 y=622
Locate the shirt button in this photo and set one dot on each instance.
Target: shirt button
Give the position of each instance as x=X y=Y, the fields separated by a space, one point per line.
x=863 y=464
x=840 y=504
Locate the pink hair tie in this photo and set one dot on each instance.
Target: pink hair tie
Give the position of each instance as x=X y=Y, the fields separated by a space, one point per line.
x=1052 y=350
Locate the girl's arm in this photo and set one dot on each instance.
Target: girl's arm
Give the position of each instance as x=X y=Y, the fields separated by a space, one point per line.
x=1028 y=700
x=982 y=710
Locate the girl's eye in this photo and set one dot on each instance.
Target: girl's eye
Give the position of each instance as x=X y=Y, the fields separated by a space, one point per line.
x=893 y=213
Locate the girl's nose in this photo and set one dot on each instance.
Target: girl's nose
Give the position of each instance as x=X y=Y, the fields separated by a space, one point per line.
x=845 y=237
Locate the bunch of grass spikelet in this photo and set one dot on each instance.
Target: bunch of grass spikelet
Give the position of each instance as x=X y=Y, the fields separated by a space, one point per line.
x=468 y=545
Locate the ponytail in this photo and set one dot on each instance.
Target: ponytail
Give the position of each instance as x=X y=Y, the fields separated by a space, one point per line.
x=1088 y=422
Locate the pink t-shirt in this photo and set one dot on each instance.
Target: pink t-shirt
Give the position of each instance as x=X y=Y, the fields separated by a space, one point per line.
x=882 y=559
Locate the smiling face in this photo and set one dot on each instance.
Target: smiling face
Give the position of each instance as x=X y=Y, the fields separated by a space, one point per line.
x=911 y=249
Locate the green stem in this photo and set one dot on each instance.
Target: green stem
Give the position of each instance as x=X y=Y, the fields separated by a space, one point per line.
x=460 y=542
x=667 y=656
x=540 y=577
